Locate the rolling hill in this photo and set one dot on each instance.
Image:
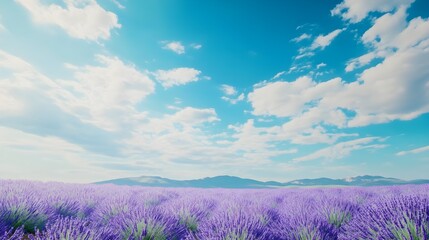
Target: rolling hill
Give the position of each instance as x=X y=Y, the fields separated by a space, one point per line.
x=237 y=182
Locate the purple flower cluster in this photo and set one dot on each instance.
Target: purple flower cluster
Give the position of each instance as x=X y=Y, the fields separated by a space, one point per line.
x=56 y=211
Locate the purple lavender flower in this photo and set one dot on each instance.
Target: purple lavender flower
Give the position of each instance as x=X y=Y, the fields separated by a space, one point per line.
x=67 y=228
x=402 y=217
x=11 y=234
x=37 y=211
x=147 y=223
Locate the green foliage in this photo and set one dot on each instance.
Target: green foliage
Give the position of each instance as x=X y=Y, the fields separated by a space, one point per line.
x=21 y=216
x=145 y=231
x=189 y=221
x=307 y=234
x=409 y=230
x=237 y=236
x=338 y=218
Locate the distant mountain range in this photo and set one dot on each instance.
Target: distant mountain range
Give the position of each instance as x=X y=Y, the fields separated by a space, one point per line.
x=236 y=182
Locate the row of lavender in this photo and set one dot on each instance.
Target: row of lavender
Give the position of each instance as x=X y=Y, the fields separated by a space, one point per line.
x=33 y=210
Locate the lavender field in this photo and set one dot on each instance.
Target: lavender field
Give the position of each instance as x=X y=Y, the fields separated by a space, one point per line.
x=34 y=210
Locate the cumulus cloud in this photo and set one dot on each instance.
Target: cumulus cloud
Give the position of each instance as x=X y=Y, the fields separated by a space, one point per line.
x=88 y=113
x=302 y=37
x=46 y=107
x=386 y=28
x=103 y=95
x=286 y=99
x=413 y=151
x=174 y=46
x=404 y=47
x=233 y=100
x=381 y=95
x=392 y=33
x=257 y=143
x=52 y=158
x=83 y=111
x=355 y=11
x=323 y=41
x=394 y=89
x=16 y=75
x=195 y=116
x=230 y=94
x=364 y=60
x=98 y=93
x=173 y=138
x=319 y=43
x=82 y=19
x=228 y=90
x=343 y=149
x=177 y=76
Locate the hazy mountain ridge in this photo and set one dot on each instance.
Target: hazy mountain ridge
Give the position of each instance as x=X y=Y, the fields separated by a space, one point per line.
x=237 y=182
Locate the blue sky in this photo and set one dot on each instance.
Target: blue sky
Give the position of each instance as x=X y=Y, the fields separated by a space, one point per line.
x=93 y=90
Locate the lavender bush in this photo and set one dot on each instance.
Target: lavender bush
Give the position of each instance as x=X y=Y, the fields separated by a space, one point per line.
x=33 y=210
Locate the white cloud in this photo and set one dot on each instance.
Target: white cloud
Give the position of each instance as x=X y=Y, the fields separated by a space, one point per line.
x=395 y=89
x=413 y=151
x=195 y=116
x=342 y=149
x=91 y=119
x=196 y=46
x=391 y=33
x=231 y=100
x=187 y=117
x=356 y=10
x=118 y=4
x=173 y=139
x=257 y=143
x=179 y=137
x=286 y=99
x=416 y=35
x=177 y=76
x=228 y=90
x=299 y=101
x=49 y=158
x=305 y=54
x=296 y=131
x=302 y=37
x=101 y=94
x=174 y=46
x=317 y=135
x=323 y=41
x=279 y=74
x=18 y=75
x=73 y=110
x=386 y=28
x=320 y=65
x=82 y=19
x=363 y=60
x=271 y=98
x=320 y=42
